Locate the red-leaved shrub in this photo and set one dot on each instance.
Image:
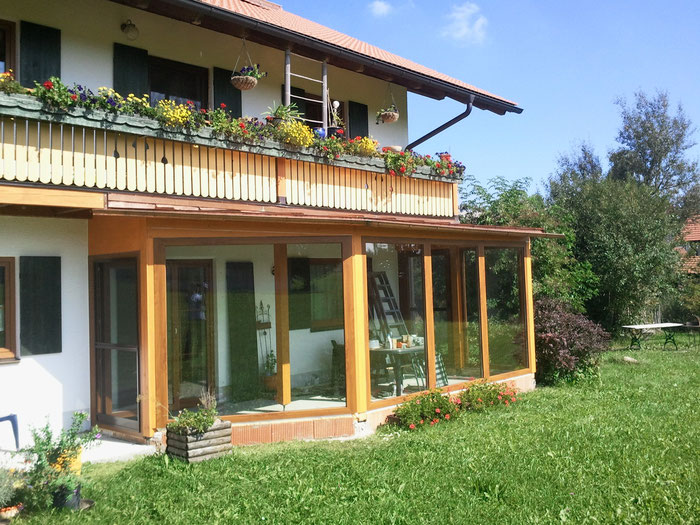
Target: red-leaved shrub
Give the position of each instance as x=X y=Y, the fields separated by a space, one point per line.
x=568 y=344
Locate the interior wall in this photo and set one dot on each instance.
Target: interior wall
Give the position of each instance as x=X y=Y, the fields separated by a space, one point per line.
x=89 y=29
x=50 y=387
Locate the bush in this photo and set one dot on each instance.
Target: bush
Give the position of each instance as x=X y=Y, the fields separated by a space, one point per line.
x=195 y=422
x=7 y=488
x=567 y=344
x=481 y=395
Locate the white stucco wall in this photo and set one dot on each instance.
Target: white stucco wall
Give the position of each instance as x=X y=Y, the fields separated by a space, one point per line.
x=49 y=387
x=89 y=29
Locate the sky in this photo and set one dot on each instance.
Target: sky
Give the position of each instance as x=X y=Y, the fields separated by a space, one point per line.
x=564 y=62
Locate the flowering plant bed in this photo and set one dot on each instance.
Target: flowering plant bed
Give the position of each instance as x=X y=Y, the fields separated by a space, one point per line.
x=434 y=407
x=107 y=109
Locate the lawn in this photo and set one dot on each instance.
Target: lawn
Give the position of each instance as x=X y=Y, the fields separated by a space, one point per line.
x=624 y=450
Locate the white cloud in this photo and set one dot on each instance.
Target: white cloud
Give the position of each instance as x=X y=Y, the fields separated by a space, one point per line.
x=467 y=25
x=380 y=8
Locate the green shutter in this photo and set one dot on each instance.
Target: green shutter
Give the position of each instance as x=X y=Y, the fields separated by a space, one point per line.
x=39 y=53
x=40 y=305
x=130 y=70
x=357 y=120
x=225 y=93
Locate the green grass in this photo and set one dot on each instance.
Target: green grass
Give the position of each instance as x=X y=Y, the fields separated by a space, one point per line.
x=624 y=450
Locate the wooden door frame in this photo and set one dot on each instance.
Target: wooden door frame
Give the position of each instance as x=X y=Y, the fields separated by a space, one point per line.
x=210 y=313
x=106 y=258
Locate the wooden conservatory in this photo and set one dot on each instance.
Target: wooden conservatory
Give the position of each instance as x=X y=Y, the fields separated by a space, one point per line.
x=141 y=264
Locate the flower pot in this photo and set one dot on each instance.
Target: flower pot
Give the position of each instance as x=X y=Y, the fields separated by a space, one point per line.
x=243 y=83
x=333 y=131
x=192 y=448
x=65 y=498
x=389 y=116
x=7 y=513
x=270 y=383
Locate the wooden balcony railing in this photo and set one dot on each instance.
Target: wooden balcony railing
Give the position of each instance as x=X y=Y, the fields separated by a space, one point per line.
x=119 y=153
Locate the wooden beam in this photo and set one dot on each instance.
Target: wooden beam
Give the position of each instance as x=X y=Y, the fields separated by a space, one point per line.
x=51 y=197
x=455 y=199
x=284 y=386
x=529 y=308
x=457 y=297
x=429 y=320
x=353 y=346
x=483 y=312
x=282 y=169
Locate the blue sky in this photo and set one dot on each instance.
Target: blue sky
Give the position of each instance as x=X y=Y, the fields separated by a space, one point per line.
x=564 y=62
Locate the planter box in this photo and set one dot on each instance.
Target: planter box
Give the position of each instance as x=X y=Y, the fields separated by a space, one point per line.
x=192 y=448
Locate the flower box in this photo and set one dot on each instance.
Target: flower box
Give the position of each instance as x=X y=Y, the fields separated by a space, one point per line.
x=192 y=448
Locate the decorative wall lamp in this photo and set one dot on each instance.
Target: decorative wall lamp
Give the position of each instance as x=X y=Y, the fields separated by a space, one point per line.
x=130 y=30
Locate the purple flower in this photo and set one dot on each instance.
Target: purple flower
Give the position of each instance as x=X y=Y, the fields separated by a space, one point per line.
x=98 y=435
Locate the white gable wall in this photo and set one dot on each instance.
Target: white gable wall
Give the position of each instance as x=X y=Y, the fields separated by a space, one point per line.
x=89 y=29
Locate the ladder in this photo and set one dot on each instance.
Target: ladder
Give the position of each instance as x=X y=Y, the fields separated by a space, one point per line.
x=383 y=305
x=324 y=90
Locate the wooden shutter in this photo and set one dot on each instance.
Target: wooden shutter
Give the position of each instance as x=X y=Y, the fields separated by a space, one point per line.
x=130 y=70
x=357 y=120
x=40 y=305
x=225 y=93
x=39 y=53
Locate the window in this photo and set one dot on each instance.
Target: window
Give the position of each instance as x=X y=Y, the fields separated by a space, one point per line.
x=315 y=293
x=7 y=309
x=7 y=45
x=177 y=81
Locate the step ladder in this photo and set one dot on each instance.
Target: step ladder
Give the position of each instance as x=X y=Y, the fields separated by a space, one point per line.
x=384 y=307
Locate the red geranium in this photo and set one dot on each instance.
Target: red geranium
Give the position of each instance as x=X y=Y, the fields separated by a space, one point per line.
x=339 y=132
x=48 y=84
x=411 y=426
x=222 y=105
x=74 y=97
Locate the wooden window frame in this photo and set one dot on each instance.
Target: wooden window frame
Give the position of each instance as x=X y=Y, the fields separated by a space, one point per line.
x=10 y=35
x=9 y=352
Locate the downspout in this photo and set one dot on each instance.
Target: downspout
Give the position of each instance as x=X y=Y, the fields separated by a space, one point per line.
x=446 y=125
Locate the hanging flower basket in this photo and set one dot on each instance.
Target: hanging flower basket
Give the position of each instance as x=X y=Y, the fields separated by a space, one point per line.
x=389 y=116
x=244 y=83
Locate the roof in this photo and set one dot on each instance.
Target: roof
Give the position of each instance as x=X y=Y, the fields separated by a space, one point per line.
x=274 y=14
x=691 y=231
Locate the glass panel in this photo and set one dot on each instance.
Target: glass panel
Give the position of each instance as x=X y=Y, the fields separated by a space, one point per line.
x=3 y=306
x=317 y=337
x=118 y=375
x=118 y=321
x=456 y=315
x=504 y=301
x=189 y=341
x=396 y=309
x=238 y=357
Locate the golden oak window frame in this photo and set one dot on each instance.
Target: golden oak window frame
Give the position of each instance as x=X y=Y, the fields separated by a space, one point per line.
x=8 y=352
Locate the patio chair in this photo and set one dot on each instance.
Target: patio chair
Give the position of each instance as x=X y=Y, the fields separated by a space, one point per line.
x=12 y=418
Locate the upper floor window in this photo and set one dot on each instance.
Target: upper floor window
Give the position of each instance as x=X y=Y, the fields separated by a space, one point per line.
x=177 y=81
x=7 y=45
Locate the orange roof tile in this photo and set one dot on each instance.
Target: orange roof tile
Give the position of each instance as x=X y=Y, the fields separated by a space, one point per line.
x=270 y=13
x=691 y=231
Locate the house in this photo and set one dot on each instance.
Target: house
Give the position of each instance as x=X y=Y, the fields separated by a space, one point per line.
x=690 y=251
x=141 y=265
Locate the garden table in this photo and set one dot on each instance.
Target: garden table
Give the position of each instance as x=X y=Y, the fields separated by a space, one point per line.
x=396 y=355
x=640 y=332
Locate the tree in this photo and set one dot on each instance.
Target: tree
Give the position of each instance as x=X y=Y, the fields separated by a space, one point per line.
x=556 y=272
x=653 y=146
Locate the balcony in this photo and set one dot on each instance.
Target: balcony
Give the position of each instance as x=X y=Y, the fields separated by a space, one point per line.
x=120 y=154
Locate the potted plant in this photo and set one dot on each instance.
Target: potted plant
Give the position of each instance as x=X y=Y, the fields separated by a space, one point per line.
x=247 y=77
x=270 y=377
x=336 y=127
x=280 y=113
x=388 y=115
x=194 y=436
x=7 y=494
x=53 y=476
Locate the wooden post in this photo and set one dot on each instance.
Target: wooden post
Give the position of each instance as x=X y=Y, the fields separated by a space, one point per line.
x=154 y=313
x=483 y=316
x=287 y=77
x=529 y=307
x=284 y=386
x=356 y=326
x=429 y=320
x=324 y=101
x=456 y=284
x=455 y=199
